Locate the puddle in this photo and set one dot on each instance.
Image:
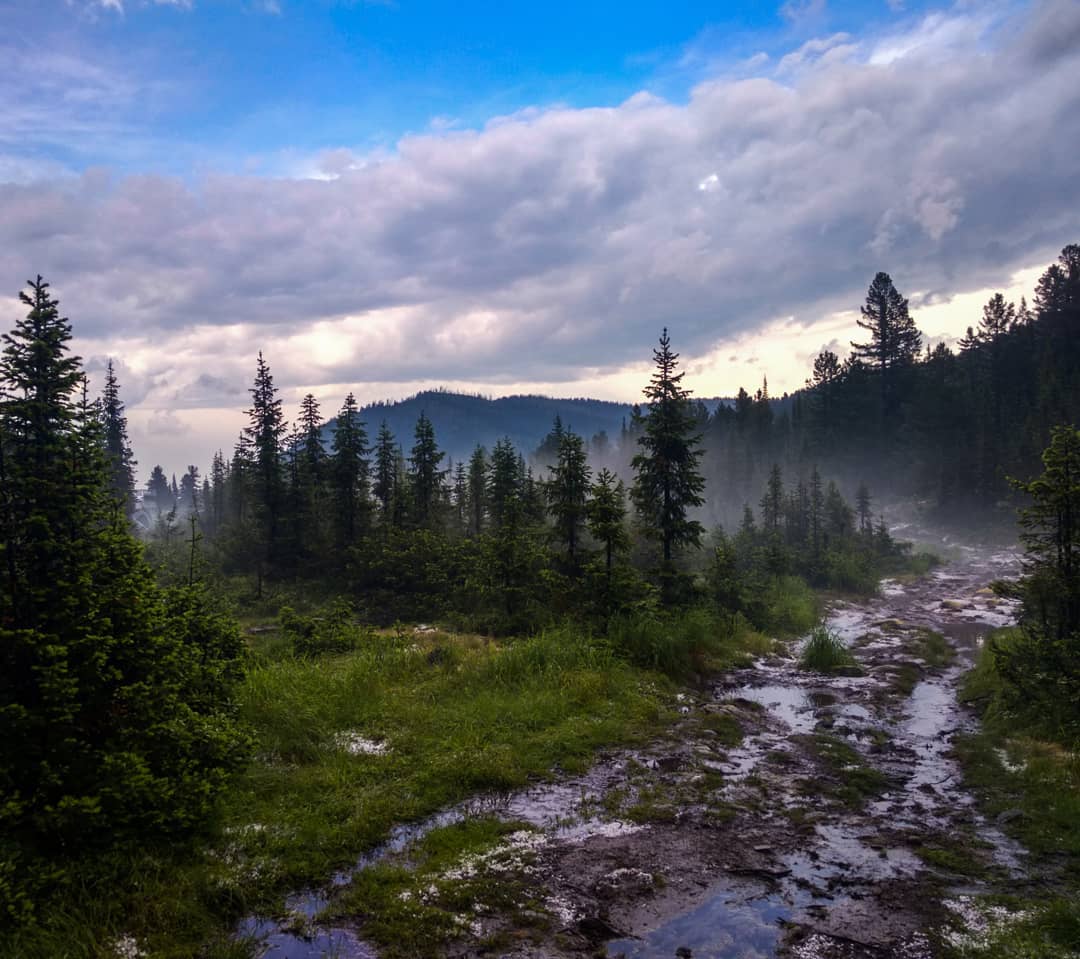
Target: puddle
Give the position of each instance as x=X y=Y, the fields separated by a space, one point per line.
x=728 y=925
x=323 y=944
x=843 y=853
x=551 y=807
x=789 y=703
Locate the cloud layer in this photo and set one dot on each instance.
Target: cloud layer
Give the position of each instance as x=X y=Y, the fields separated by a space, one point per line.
x=558 y=240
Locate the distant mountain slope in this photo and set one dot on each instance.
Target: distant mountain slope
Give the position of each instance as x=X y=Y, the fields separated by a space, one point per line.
x=461 y=421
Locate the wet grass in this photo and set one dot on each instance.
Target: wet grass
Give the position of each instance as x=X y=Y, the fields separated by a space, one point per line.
x=903 y=678
x=351 y=744
x=728 y=729
x=654 y=804
x=825 y=652
x=847 y=779
x=932 y=648
x=455 y=878
x=477 y=718
x=1019 y=929
x=1030 y=785
x=688 y=643
x=963 y=855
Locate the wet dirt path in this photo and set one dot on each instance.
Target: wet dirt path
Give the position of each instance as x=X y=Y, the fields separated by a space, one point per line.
x=836 y=826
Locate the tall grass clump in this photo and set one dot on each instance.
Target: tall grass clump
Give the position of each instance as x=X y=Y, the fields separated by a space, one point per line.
x=684 y=643
x=825 y=652
x=791 y=606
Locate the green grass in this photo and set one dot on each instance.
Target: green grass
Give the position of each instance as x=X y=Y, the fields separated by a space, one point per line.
x=932 y=648
x=455 y=876
x=904 y=677
x=477 y=717
x=1014 y=767
x=1049 y=929
x=960 y=854
x=825 y=652
x=791 y=607
x=682 y=644
x=847 y=778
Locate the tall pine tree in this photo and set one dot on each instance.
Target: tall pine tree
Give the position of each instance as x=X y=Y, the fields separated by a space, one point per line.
x=667 y=483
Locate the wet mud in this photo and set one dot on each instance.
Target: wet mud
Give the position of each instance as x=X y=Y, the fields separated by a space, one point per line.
x=787 y=814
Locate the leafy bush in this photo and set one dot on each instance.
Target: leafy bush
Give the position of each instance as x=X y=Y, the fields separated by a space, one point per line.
x=332 y=632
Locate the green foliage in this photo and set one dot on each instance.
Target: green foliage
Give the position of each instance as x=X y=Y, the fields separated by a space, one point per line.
x=115 y=695
x=667 y=483
x=682 y=643
x=567 y=493
x=789 y=607
x=1039 y=664
x=825 y=652
x=335 y=631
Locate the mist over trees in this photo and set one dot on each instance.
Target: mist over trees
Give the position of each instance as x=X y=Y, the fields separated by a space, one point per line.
x=944 y=430
x=117 y=665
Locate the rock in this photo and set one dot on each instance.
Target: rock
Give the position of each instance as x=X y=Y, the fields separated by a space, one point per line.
x=763 y=849
x=1008 y=816
x=684 y=952
x=596 y=929
x=762 y=872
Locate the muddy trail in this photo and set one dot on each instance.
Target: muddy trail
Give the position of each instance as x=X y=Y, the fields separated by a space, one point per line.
x=787 y=813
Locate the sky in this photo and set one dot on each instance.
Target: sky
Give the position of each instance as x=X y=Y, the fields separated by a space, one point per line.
x=389 y=195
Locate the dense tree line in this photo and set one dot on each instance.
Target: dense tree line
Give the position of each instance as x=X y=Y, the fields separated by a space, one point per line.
x=500 y=542
x=948 y=428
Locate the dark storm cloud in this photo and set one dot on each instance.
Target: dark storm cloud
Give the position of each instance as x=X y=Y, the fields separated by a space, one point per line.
x=560 y=239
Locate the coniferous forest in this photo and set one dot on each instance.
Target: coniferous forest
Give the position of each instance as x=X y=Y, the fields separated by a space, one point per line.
x=220 y=690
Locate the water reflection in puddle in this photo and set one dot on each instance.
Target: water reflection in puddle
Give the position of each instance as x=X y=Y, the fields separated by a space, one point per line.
x=323 y=943
x=725 y=926
x=789 y=703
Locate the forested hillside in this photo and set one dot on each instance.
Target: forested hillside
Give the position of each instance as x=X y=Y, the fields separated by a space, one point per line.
x=946 y=427
x=462 y=421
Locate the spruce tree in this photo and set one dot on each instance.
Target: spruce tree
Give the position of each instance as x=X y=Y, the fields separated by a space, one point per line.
x=606 y=513
x=504 y=483
x=477 y=490
x=312 y=453
x=667 y=483
x=386 y=473
x=266 y=430
x=863 y=510
x=425 y=477
x=113 y=695
x=567 y=491
x=158 y=494
x=461 y=496
x=117 y=445
x=349 y=470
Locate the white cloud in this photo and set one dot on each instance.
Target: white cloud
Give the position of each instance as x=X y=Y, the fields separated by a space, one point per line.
x=800 y=10
x=549 y=246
